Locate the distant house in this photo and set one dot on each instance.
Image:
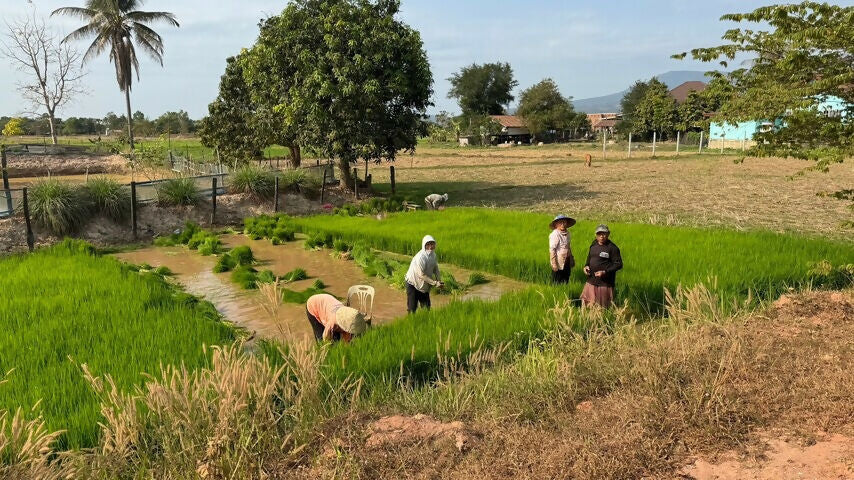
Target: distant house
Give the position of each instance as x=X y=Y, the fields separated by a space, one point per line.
x=603 y=122
x=741 y=134
x=680 y=93
x=513 y=129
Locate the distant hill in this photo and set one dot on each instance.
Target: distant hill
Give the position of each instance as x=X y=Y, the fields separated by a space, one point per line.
x=611 y=103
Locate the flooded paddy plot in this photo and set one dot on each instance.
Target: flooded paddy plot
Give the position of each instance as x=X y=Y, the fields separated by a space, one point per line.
x=246 y=309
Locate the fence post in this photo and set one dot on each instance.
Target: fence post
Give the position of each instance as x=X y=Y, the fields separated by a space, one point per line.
x=31 y=240
x=5 y=175
x=678 y=138
x=276 y=195
x=213 y=200
x=323 y=187
x=171 y=160
x=653 y=143
x=356 y=182
x=700 y=150
x=133 y=208
x=391 y=172
x=369 y=180
x=630 y=145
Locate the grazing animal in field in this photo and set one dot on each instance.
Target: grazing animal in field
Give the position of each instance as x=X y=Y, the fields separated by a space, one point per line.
x=434 y=201
x=588 y=160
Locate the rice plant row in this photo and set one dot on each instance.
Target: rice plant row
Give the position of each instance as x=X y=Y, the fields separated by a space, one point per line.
x=66 y=306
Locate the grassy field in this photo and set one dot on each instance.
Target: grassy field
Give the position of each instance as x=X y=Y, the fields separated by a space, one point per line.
x=514 y=244
x=65 y=307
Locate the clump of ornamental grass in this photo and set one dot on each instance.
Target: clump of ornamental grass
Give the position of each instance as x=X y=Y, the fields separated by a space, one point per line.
x=301 y=181
x=110 y=198
x=177 y=191
x=59 y=207
x=252 y=180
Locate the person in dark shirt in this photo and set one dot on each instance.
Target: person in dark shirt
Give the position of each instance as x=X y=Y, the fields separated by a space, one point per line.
x=603 y=261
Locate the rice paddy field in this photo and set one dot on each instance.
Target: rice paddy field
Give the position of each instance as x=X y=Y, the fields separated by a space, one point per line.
x=67 y=306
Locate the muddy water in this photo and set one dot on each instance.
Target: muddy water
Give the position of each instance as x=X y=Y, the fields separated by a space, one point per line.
x=246 y=307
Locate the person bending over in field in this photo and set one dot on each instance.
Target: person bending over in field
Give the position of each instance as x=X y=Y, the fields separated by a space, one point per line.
x=423 y=274
x=560 y=251
x=603 y=261
x=332 y=320
x=434 y=201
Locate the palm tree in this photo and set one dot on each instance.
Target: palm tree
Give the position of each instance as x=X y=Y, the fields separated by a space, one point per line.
x=117 y=25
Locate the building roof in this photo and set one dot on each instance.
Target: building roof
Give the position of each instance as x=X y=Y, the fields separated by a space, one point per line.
x=509 y=121
x=681 y=92
x=606 y=123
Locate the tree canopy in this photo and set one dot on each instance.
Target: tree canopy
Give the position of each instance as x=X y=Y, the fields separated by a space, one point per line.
x=545 y=109
x=803 y=59
x=483 y=89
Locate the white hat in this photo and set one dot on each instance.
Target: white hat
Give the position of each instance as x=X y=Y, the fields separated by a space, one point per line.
x=350 y=320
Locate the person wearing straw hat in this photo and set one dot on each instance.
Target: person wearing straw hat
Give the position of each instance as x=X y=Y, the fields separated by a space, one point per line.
x=560 y=250
x=603 y=262
x=332 y=320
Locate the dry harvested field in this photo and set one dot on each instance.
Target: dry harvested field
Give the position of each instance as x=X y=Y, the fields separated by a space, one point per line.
x=708 y=189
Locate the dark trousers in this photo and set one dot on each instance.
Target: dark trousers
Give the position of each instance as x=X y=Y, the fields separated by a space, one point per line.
x=562 y=275
x=414 y=297
x=318 y=328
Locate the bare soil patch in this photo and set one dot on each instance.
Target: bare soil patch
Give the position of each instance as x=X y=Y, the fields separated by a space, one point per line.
x=42 y=165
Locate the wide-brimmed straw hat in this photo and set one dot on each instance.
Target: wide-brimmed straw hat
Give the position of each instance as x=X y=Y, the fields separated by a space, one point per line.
x=570 y=221
x=350 y=320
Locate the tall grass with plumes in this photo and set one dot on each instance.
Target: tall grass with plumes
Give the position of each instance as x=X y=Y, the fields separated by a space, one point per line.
x=177 y=191
x=65 y=307
x=300 y=181
x=59 y=207
x=515 y=244
x=110 y=198
x=252 y=180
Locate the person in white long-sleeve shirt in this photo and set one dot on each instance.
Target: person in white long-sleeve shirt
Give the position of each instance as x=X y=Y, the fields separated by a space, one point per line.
x=560 y=249
x=434 y=201
x=423 y=274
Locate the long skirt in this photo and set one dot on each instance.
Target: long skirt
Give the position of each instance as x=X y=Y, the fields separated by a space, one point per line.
x=602 y=296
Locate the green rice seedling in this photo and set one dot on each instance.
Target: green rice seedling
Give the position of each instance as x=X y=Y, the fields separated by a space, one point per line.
x=477 y=278
x=265 y=276
x=245 y=276
x=451 y=284
x=278 y=229
x=59 y=207
x=318 y=240
x=145 y=266
x=110 y=198
x=318 y=284
x=225 y=263
x=177 y=191
x=163 y=271
x=242 y=255
x=293 y=296
x=96 y=311
x=206 y=242
x=295 y=275
x=210 y=246
x=340 y=246
x=254 y=181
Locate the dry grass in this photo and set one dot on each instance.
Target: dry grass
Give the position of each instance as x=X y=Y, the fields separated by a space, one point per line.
x=630 y=401
x=689 y=190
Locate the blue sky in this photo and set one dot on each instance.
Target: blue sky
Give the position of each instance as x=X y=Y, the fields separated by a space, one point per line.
x=589 y=48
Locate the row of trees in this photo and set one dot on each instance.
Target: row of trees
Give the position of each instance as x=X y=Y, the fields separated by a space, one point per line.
x=170 y=122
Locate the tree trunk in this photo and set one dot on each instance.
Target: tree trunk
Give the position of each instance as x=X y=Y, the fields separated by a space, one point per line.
x=130 y=118
x=51 y=120
x=296 y=155
x=346 y=174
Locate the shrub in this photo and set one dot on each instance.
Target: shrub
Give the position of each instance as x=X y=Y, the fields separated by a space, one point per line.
x=254 y=181
x=177 y=191
x=109 y=197
x=301 y=181
x=59 y=207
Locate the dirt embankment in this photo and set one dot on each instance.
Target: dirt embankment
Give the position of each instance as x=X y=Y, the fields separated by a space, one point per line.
x=778 y=407
x=153 y=221
x=34 y=165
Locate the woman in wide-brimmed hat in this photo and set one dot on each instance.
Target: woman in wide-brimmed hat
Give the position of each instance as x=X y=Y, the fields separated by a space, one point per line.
x=560 y=250
x=332 y=320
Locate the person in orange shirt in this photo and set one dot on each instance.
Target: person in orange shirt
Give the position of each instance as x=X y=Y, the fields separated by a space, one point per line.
x=332 y=320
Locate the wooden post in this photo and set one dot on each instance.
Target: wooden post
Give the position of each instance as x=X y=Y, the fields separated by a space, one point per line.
x=276 y=195
x=630 y=145
x=653 y=143
x=133 y=208
x=356 y=182
x=87 y=175
x=171 y=161
x=5 y=174
x=391 y=173
x=700 y=150
x=213 y=200
x=604 y=139
x=31 y=240
x=678 y=138
x=323 y=187
x=722 y=144
x=366 y=169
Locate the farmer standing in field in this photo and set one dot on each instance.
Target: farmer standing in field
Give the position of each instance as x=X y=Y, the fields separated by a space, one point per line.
x=434 y=201
x=332 y=320
x=603 y=261
x=423 y=274
x=560 y=251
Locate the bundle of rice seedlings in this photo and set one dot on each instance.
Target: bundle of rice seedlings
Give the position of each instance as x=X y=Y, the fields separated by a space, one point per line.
x=477 y=278
x=295 y=275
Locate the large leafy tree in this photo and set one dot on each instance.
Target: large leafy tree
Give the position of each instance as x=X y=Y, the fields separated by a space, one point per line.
x=360 y=82
x=483 y=89
x=655 y=112
x=799 y=56
x=117 y=25
x=231 y=125
x=545 y=109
